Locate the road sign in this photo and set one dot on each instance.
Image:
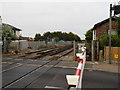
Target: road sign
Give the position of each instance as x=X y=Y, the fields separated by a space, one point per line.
x=116 y=9
x=116 y=56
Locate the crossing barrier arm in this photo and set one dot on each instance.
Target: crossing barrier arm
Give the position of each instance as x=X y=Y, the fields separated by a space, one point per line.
x=80 y=81
x=76 y=80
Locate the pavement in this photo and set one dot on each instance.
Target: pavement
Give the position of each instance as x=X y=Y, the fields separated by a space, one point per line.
x=91 y=65
x=102 y=66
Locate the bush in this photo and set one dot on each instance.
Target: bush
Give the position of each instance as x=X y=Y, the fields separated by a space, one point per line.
x=104 y=41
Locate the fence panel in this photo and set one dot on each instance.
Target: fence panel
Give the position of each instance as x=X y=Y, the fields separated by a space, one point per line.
x=115 y=51
x=36 y=44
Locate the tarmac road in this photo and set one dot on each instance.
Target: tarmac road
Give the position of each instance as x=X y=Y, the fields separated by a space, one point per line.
x=52 y=75
x=34 y=74
x=99 y=79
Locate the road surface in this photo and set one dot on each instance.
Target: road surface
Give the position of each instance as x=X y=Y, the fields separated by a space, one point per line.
x=23 y=73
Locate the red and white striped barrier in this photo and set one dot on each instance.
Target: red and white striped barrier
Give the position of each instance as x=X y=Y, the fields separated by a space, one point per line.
x=79 y=85
x=78 y=71
x=76 y=79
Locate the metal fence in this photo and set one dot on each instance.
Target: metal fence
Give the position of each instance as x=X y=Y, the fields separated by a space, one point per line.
x=14 y=45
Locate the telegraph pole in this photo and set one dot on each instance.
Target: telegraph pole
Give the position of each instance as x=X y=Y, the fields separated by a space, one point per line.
x=110 y=27
x=116 y=9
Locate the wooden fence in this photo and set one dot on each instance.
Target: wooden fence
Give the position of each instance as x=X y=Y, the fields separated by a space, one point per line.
x=115 y=53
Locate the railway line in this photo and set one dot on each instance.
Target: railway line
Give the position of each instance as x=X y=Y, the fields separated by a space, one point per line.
x=43 y=52
x=21 y=72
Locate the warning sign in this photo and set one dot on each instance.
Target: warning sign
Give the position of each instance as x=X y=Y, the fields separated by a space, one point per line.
x=116 y=55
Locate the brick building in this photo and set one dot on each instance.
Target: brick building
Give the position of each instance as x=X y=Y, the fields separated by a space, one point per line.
x=100 y=29
x=103 y=28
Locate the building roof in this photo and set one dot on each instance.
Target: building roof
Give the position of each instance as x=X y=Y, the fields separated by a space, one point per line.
x=103 y=22
x=17 y=29
x=62 y=41
x=14 y=28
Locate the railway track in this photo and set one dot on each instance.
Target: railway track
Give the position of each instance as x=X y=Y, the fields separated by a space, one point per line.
x=43 y=52
x=31 y=71
x=12 y=62
x=30 y=67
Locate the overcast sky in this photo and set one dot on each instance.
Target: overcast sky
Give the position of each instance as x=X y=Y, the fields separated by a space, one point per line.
x=40 y=17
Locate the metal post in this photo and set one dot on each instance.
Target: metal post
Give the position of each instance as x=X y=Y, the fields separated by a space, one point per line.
x=74 y=50
x=97 y=50
x=4 y=45
x=104 y=53
x=19 y=42
x=92 y=50
x=110 y=27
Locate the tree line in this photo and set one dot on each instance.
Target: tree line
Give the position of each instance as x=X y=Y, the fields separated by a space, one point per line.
x=57 y=36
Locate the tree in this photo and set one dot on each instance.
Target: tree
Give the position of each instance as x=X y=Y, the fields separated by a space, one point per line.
x=71 y=36
x=38 y=37
x=88 y=36
x=77 y=38
x=118 y=30
x=58 y=36
x=7 y=36
x=115 y=41
x=47 y=35
x=104 y=41
x=56 y=39
x=7 y=33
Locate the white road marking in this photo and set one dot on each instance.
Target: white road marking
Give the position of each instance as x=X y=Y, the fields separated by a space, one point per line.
x=11 y=68
x=33 y=65
x=18 y=59
x=48 y=65
x=5 y=62
x=7 y=58
x=66 y=67
x=53 y=87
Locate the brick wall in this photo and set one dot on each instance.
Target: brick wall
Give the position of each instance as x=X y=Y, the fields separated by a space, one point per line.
x=102 y=29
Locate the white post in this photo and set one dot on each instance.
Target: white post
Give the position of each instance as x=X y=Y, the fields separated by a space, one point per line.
x=92 y=50
x=93 y=45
